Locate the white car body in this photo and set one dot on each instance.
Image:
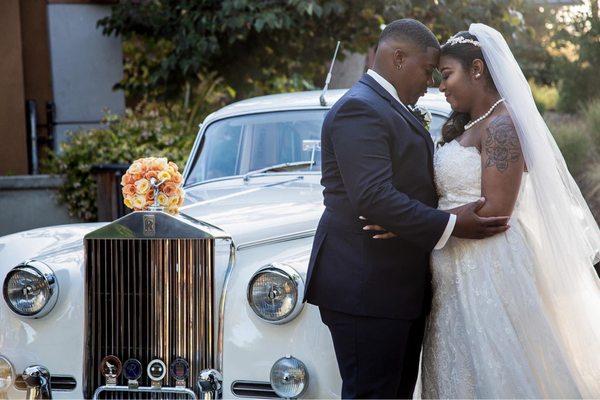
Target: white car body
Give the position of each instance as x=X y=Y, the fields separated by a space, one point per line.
x=270 y=218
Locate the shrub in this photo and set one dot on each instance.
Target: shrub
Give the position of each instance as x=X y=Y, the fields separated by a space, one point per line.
x=151 y=129
x=545 y=96
x=574 y=143
x=591 y=117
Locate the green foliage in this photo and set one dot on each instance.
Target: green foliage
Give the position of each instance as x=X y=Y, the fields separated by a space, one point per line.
x=591 y=116
x=579 y=38
x=545 y=96
x=574 y=143
x=250 y=44
x=265 y=46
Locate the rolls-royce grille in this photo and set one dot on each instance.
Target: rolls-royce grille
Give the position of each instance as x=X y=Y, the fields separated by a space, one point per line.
x=146 y=299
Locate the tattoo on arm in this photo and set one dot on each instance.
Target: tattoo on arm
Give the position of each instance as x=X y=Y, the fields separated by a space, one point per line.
x=501 y=144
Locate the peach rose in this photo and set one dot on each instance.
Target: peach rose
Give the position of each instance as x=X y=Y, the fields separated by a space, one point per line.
x=135 y=168
x=170 y=189
x=129 y=190
x=127 y=179
x=176 y=178
x=142 y=186
x=151 y=174
x=181 y=199
x=173 y=165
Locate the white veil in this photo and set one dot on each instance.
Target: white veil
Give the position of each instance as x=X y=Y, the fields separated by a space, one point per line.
x=563 y=233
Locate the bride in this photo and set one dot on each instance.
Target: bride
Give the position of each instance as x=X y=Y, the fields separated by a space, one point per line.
x=516 y=315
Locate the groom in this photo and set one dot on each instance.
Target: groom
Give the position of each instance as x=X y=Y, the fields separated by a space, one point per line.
x=377 y=162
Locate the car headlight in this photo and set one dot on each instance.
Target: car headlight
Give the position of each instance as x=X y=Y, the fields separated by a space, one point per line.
x=275 y=292
x=289 y=377
x=31 y=289
x=7 y=374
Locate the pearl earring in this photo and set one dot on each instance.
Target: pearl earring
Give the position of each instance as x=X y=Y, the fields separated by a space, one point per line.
x=477 y=76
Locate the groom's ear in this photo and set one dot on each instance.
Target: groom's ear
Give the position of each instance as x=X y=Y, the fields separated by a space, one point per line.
x=399 y=58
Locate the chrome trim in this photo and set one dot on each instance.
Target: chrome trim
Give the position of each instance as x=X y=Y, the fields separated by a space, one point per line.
x=278 y=239
x=296 y=279
x=221 y=328
x=13 y=377
x=37 y=379
x=49 y=277
x=210 y=384
x=145 y=389
x=266 y=391
x=302 y=366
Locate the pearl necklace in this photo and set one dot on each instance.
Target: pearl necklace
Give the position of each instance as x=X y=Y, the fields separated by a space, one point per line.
x=484 y=116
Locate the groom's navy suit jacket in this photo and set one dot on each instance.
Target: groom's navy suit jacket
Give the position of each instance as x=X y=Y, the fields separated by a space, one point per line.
x=377 y=162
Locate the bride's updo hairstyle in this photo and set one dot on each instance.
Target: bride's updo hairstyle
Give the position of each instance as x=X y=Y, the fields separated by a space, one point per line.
x=465 y=52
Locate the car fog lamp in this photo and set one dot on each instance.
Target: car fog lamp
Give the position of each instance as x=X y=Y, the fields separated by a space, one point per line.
x=273 y=293
x=289 y=377
x=7 y=374
x=30 y=289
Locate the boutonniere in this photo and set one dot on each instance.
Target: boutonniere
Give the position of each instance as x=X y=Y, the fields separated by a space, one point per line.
x=422 y=114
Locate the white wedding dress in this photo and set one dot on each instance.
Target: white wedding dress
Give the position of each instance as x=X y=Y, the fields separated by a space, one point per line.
x=489 y=334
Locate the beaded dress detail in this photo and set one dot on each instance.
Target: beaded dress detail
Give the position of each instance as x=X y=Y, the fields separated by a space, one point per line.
x=489 y=333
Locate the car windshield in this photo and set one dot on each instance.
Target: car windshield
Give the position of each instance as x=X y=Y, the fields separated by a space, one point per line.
x=239 y=145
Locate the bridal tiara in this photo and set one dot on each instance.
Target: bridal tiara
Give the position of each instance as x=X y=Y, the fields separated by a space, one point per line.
x=459 y=39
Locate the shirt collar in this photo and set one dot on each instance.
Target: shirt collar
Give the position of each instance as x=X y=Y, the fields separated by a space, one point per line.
x=386 y=85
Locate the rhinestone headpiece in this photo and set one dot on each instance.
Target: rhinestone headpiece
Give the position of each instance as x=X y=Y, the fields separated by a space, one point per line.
x=459 y=39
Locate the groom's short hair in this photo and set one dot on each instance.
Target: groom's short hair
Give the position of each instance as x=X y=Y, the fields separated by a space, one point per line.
x=410 y=30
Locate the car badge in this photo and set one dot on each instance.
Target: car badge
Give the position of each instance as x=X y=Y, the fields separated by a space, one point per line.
x=110 y=368
x=156 y=372
x=180 y=371
x=132 y=371
x=149 y=225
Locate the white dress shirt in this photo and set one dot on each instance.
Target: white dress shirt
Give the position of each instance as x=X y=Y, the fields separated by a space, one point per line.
x=392 y=91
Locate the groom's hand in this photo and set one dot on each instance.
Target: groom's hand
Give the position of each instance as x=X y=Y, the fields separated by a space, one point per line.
x=469 y=225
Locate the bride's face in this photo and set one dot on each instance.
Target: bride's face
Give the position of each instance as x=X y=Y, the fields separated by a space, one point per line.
x=456 y=84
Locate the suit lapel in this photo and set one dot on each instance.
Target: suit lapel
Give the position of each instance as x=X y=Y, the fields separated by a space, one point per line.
x=407 y=115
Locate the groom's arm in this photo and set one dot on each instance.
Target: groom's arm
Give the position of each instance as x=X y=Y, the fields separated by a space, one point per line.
x=360 y=143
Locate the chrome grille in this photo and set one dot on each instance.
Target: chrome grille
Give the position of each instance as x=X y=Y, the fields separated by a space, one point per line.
x=146 y=299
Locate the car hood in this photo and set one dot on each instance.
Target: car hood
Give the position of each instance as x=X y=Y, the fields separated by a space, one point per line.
x=262 y=208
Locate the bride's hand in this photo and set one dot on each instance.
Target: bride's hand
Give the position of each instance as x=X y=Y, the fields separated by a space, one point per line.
x=386 y=235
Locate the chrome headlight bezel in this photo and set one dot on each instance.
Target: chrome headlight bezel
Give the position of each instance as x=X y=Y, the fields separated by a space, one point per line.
x=296 y=280
x=282 y=367
x=11 y=377
x=43 y=272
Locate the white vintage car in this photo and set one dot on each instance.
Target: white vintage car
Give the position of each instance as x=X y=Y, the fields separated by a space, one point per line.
x=206 y=304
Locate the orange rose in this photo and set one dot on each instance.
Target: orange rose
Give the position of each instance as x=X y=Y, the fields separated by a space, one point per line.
x=150 y=196
x=137 y=177
x=151 y=174
x=129 y=190
x=176 y=178
x=127 y=179
x=170 y=189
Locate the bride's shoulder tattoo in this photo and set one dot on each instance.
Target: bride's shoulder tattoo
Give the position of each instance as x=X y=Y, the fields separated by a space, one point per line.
x=501 y=144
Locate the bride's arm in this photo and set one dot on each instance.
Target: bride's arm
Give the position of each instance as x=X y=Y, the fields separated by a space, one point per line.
x=502 y=167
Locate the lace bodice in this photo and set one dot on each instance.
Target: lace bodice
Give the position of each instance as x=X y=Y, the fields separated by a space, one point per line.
x=457 y=174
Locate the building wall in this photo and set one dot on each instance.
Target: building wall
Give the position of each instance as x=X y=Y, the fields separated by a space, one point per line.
x=13 y=145
x=85 y=65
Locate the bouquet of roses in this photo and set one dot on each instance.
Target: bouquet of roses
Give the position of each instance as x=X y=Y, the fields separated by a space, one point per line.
x=154 y=182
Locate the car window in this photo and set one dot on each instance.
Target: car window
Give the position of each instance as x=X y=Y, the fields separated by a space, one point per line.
x=235 y=146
